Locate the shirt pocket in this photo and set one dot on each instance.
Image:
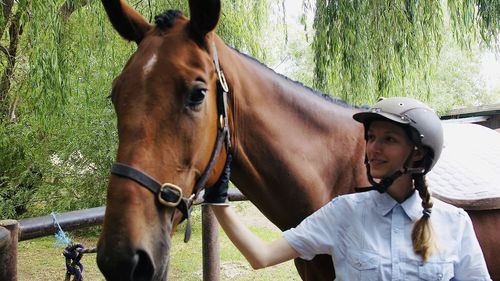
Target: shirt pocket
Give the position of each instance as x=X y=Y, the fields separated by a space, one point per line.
x=363 y=266
x=434 y=271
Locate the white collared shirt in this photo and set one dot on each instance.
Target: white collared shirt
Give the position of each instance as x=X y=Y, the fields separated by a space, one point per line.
x=368 y=236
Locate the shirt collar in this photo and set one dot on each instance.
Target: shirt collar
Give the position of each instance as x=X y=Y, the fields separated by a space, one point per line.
x=412 y=205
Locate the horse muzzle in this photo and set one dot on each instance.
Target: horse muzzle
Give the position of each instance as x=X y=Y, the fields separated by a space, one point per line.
x=135 y=239
x=121 y=262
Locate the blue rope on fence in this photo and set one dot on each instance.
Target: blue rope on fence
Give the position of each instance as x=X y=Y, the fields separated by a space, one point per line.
x=62 y=238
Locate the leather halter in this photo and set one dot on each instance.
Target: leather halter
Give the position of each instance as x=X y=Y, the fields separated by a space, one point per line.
x=168 y=194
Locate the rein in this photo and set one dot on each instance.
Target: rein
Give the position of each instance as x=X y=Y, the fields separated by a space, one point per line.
x=171 y=195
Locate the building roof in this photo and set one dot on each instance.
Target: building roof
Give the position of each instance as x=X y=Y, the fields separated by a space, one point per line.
x=474 y=111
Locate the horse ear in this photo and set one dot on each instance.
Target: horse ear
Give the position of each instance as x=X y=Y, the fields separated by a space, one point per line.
x=204 y=16
x=127 y=21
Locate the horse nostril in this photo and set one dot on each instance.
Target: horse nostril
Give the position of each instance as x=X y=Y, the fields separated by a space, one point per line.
x=144 y=268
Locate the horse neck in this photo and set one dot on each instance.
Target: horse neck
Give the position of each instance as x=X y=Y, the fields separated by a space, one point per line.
x=281 y=132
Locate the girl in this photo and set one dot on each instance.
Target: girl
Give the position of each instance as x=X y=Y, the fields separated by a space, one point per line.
x=386 y=233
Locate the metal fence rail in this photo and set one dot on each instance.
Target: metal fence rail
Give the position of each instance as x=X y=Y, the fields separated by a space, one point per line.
x=12 y=232
x=44 y=226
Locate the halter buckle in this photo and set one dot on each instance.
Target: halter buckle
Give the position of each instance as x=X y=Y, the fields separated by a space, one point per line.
x=175 y=189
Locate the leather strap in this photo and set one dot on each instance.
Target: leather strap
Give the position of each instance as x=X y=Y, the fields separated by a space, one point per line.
x=137 y=175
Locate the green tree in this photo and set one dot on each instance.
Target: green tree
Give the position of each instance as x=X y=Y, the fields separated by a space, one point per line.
x=373 y=48
x=456 y=80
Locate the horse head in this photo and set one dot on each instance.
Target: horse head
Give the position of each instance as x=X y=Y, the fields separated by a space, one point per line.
x=167 y=117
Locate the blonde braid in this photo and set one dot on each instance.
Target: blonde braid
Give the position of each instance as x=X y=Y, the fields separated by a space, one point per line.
x=422 y=235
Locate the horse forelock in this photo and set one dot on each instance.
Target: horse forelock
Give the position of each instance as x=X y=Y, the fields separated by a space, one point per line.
x=167 y=19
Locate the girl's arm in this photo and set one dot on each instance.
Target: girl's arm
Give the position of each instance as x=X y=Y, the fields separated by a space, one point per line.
x=259 y=253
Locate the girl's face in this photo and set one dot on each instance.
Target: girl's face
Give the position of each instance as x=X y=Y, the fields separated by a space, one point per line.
x=387 y=148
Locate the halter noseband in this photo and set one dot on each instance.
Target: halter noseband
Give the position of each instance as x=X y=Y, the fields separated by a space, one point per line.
x=168 y=194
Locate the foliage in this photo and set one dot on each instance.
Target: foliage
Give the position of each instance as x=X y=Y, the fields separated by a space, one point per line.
x=245 y=32
x=290 y=49
x=19 y=175
x=367 y=49
x=470 y=17
x=456 y=81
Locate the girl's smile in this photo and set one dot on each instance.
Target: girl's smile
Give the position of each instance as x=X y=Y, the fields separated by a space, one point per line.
x=387 y=148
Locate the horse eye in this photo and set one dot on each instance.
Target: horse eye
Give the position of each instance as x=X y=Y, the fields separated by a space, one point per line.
x=196 y=96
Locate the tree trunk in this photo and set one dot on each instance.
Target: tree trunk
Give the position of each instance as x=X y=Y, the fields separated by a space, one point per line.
x=15 y=31
x=6 y=12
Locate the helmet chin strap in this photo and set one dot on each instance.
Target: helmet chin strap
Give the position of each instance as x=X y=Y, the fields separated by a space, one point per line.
x=386 y=182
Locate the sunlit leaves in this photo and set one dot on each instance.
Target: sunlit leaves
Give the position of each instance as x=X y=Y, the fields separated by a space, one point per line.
x=367 y=49
x=242 y=24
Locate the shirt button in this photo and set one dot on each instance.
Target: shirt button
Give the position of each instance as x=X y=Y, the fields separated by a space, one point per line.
x=439 y=276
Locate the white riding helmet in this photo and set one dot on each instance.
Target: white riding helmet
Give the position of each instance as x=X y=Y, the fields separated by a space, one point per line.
x=425 y=124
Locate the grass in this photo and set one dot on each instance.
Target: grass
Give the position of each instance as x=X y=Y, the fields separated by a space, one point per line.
x=39 y=259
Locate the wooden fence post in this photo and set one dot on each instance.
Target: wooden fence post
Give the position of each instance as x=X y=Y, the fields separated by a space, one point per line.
x=210 y=241
x=8 y=249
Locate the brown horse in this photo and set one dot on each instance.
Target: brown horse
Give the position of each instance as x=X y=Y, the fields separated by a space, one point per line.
x=292 y=150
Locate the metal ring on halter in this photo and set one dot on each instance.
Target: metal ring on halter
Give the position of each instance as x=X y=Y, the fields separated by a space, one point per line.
x=223 y=82
x=171 y=187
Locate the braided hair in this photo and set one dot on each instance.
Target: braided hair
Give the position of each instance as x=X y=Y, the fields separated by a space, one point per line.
x=422 y=235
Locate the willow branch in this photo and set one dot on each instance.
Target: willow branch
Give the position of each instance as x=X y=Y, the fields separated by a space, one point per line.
x=69 y=7
x=4 y=50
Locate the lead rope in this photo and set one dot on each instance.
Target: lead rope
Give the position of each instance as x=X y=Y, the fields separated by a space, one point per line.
x=73 y=252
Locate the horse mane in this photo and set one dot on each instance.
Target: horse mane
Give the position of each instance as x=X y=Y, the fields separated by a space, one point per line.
x=324 y=96
x=167 y=18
